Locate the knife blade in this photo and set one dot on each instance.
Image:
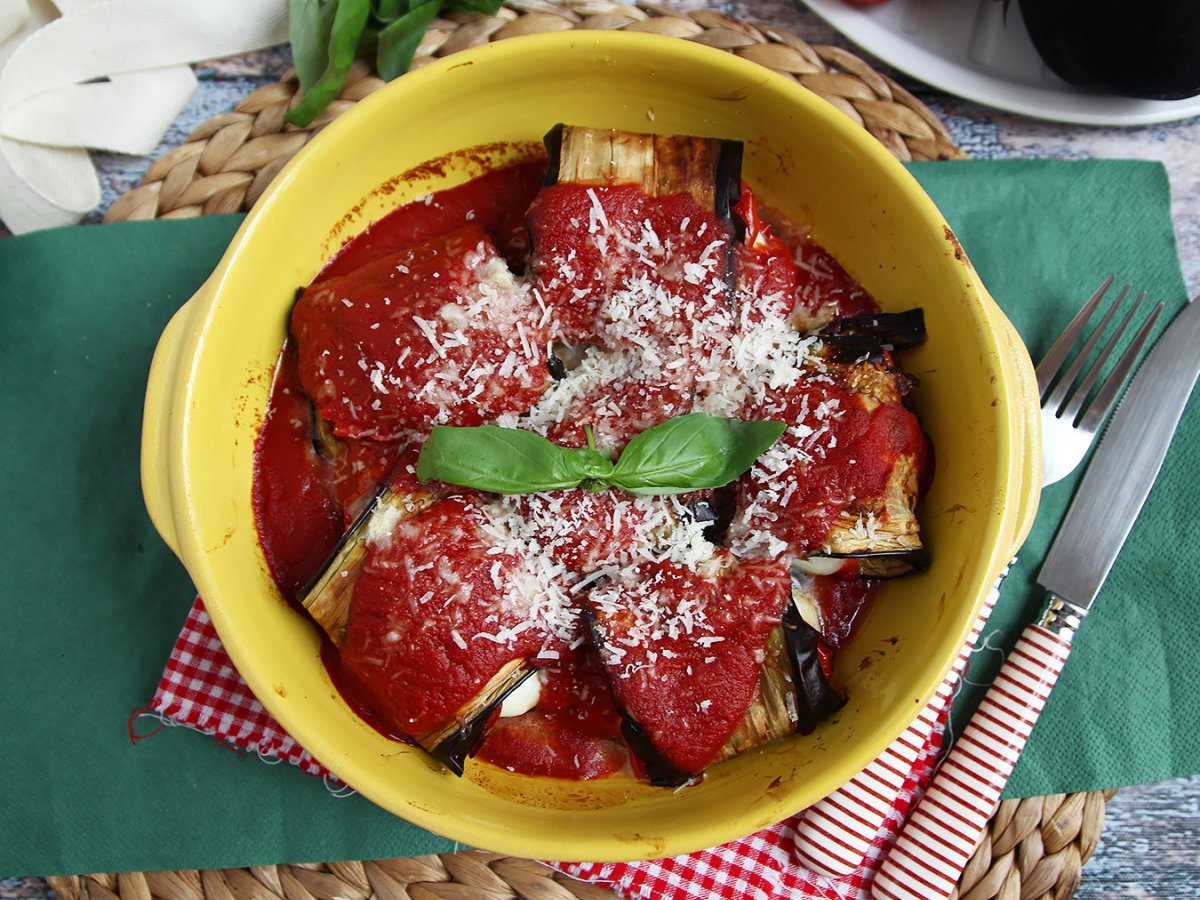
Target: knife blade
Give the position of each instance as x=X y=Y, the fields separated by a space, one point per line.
x=1126 y=463
x=940 y=837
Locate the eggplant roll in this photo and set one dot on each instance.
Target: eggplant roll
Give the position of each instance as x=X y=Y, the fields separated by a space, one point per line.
x=633 y=239
x=435 y=620
x=706 y=666
x=844 y=479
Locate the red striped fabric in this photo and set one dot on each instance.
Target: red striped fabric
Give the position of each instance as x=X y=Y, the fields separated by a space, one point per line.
x=938 y=840
x=835 y=834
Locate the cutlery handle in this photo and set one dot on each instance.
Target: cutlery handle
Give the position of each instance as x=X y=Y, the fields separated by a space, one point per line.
x=835 y=833
x=947 y=825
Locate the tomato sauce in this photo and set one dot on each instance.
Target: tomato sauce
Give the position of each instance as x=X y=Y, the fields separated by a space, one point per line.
x=575 y=731
x=429 y=609
x=839 y=456
x=841 y=601
x=767 y=270
x=296 y=508
x=686 y=676
x=397 y=335
x=623 y=269
x=423 y=322
x=827 y=291
x=495 y=202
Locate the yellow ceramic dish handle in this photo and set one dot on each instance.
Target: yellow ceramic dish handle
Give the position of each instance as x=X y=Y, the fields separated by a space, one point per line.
x=1028 y=415
x=158 y=421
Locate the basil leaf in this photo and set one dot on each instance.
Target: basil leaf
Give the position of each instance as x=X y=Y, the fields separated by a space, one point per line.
x=505 y=460
x=398 y=42
x=310 y=24
x=389 y=10
x=686 y=453
x=592 y=465
x=692 y=452
x=345 y=37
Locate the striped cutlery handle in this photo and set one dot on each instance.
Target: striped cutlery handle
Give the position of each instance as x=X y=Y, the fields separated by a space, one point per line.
x=938 y=840
x=834 y=834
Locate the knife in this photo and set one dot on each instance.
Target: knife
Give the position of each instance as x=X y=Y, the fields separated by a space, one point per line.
x=937 y=842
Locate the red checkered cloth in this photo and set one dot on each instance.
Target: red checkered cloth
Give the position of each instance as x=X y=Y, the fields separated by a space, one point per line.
x=760 y=867
x=201 y=689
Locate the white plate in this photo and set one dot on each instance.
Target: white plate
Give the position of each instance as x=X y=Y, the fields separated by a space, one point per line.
x=966 y=48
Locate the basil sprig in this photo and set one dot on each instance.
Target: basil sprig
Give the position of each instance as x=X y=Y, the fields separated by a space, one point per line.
x=326 y=35
x=686 y=453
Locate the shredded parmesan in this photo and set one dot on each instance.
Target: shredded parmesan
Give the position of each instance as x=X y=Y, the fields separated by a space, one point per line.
x=676 y=333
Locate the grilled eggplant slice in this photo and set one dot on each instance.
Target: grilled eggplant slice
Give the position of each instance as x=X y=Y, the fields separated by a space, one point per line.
x=844 y=479
x=629 y=223
x=436 y=621
x=816 y=698
x=749 y=675
x=793 y=693
x=857 y=336
x=878 y=526
x=881 y=533
x=773 y=712
x=328 y=596
x=876 y=380
x=661 y=165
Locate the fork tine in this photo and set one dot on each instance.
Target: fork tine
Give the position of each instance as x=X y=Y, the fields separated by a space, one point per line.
x=1106 y=397
x=1075 y=403
x=1058 y=353
x=1067 y=432
x=1055 y=400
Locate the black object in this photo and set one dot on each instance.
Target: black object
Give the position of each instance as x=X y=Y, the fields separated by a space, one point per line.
x=860 y=335
x=1149 y=50
x=816 y=698
x=453 y=750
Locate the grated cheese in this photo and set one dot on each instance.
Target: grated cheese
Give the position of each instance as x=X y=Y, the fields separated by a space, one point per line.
x=666 y=319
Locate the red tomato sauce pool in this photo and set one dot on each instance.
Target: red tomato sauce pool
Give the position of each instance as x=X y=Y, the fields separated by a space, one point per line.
x=309 y=486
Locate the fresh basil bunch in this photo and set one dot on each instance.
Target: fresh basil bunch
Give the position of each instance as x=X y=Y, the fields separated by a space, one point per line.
x=686 y=453
x=326 y=35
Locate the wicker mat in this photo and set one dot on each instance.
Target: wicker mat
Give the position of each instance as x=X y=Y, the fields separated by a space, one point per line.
x=1035 y=848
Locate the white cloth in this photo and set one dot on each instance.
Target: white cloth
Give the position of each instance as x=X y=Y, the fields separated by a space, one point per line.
x=105 y=74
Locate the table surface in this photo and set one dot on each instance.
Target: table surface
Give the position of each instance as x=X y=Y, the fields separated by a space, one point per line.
x=1151 y=841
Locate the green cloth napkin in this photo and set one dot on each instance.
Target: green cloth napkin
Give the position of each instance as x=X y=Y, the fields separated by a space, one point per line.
x=1126 y=709
x=92 y=599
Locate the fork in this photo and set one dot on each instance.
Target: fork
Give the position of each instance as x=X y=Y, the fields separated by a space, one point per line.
x=1068 y=428
x=835 y=834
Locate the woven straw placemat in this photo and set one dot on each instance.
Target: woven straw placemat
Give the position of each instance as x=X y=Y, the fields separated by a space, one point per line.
x=1034 y=848
x=229 y=160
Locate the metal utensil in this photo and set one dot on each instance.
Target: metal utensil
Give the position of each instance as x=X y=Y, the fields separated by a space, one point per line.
x=942 y=833
x=835 y=833
x=1068 y=428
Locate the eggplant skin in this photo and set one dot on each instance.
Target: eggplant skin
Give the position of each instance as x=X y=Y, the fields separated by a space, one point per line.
x=1146 y=50
x=849 y=339
x=816 y=698
x=658 y=772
